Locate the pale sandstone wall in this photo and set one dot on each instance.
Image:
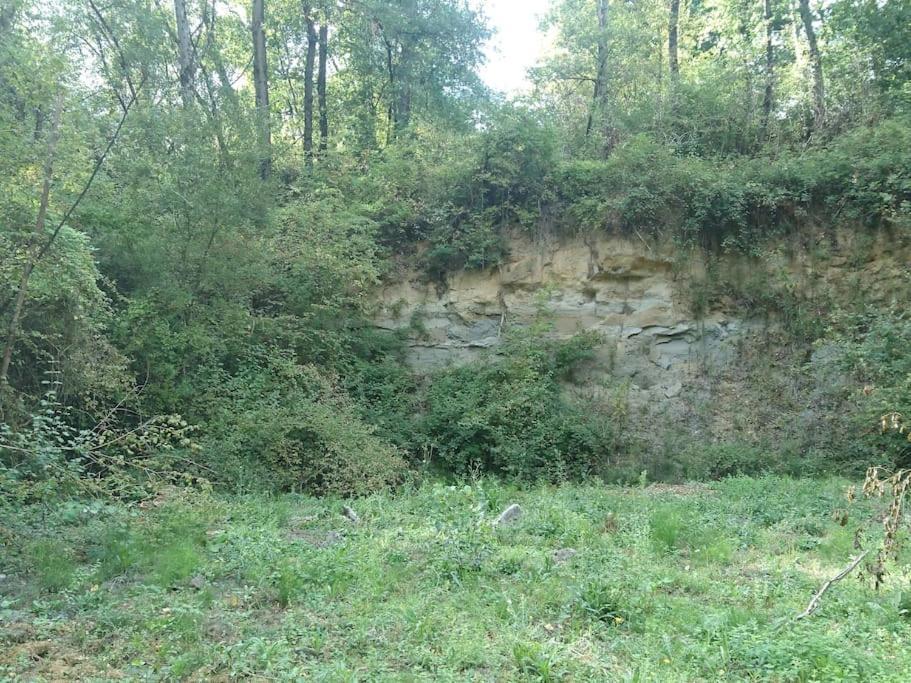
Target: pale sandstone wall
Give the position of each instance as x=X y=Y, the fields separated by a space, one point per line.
x=726 y=374
x=628 y=291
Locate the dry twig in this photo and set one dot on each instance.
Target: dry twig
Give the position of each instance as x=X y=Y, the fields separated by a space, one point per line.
x=814 y=603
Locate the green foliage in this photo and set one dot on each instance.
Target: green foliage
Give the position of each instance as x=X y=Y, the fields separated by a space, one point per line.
x=715 y=461
x=65 y=323
x=252 y=586
x=45 y=459
x=286 y=425
x=49 y=459
x=183 y=283
x=503 y=185
x=672 y=531
x=737 y=203
x=507 y=414
x=873 y=347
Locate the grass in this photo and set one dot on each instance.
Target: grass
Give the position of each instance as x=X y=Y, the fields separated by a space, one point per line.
x=666 y=584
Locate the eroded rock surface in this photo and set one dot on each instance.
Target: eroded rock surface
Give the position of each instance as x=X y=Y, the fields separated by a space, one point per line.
x=639 y=298
x=627 y=291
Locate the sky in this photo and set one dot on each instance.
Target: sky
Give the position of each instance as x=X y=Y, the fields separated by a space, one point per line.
x=516 y=44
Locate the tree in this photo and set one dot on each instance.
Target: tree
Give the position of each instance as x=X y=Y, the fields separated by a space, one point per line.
x=769 y=67
x=673 y=24
x=308 y=86
x=405 y=59
x=261 y=88
x=35 y=247
x=599 y=94
x=184 y=53
x=321 y=87
x=819 y=94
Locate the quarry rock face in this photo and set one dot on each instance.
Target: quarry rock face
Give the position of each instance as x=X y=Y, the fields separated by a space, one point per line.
x=626 y=291
x=638 y=297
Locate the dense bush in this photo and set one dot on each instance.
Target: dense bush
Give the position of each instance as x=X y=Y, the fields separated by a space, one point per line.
x=737 y=203
x=282 y=425
x=506 y=414
x=69 y=310
x=874 y=349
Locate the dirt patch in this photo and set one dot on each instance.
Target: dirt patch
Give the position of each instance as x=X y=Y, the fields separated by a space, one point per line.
x=315 y=537
x=690 y=489
x=52 y=660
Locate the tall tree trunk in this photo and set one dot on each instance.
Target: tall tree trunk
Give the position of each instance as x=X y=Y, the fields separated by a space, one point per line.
x=308 y=90
x=184 y=54
x=261 y=89
x=215 y=117
x=393 y=83
x=800 y=58
x=7 y=14
x=401 y=93
x=321 y=86
x=599 y=107
x=819 y=93
x=769 y=69
x=214 y=106
x=34 y=247
x=673 y=23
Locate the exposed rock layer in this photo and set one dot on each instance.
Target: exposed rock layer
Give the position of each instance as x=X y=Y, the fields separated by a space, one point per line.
x=627 y=291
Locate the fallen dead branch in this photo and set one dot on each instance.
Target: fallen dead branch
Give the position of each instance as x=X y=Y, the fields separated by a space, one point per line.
x=814 y=603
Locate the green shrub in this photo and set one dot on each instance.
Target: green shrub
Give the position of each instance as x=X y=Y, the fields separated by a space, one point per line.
x=674 y=530
x=506 y=414
x=873 y=348
x=288 y=426
x=117 y=552
x=715 y=461
x=52 y=563
x=175 y=562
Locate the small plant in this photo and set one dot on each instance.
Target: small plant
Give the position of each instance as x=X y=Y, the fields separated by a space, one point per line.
x=289 y=583
x=604 y=602
x=665 y=527
x=176 y=562
x=532 y=659
x=52 y=563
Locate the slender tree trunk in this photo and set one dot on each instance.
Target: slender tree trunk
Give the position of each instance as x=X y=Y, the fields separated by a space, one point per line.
x=215 y=116
x=599 y=109
x=673 y=23
x=261 y=88
x=819 y=93
x=184 y=54
x=34 y=248
x=321 y=86
x=7 y=14
x=393 y=83
x=224 y=81
x=213 y=106
x=769 y=69
x=308 y=90
x=402 y=93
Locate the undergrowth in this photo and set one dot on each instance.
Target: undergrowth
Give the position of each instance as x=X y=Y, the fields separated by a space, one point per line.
x=590 y=583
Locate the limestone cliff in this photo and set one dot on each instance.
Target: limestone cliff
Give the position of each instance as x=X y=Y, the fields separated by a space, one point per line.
x=630 y=292
x=729 y=372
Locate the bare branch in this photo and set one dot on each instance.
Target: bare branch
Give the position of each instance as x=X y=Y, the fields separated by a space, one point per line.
x=814 y=603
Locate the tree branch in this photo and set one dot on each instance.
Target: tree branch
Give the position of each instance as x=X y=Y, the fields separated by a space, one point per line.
x=53 y=236
x=814 y=603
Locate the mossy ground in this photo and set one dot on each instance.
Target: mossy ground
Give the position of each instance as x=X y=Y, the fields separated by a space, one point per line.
x=697 y=582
